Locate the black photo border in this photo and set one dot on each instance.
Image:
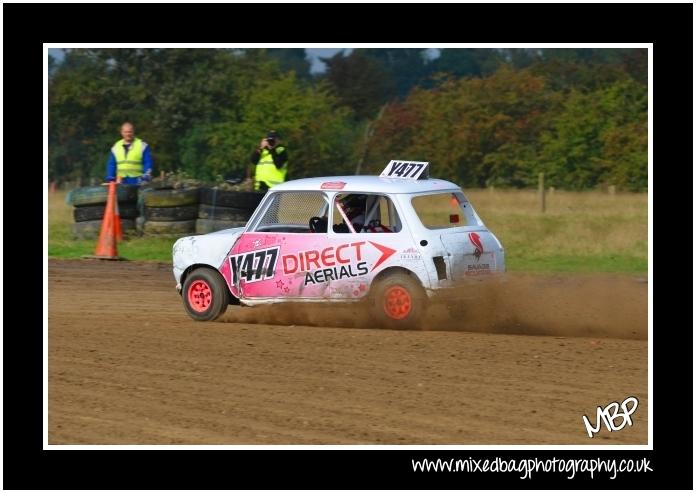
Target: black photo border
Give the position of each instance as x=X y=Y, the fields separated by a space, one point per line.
x=27 y=26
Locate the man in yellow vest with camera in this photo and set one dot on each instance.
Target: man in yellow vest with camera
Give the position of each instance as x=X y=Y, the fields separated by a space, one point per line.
x=271 y=160
x=130 y=159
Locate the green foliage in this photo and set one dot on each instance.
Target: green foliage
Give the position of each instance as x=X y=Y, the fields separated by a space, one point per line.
x=468 y=62
x=477 y=132
x=201 y=110
x=624 y=156
x=77 y=92
x=294 y=59
x=359 y=82
x=406 y=67
x=310 y=123
x=588 y=70
x=599 y=138
x=481 y=116
x=504 y=129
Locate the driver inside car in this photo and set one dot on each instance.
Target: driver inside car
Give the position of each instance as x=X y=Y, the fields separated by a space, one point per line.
x=354 y=208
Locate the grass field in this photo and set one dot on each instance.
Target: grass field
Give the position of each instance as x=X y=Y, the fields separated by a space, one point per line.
x=579 y=232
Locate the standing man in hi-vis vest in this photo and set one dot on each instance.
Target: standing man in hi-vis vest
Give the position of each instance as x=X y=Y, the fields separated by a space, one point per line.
x=271 y=160
x=130 y=160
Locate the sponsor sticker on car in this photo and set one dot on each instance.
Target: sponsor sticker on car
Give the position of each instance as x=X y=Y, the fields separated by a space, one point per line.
x=411 y=170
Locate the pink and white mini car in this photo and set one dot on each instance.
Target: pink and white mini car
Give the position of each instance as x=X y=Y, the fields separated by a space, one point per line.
x=392 y=241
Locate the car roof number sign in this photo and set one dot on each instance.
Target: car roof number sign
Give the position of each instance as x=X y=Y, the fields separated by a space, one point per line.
x=410 y=170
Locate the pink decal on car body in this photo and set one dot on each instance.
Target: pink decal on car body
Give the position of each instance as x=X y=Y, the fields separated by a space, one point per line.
x=303 y=265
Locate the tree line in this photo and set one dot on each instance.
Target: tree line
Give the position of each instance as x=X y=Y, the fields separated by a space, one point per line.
x=482 y=117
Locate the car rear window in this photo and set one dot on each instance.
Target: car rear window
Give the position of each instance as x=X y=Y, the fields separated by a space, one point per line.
x=441 y=210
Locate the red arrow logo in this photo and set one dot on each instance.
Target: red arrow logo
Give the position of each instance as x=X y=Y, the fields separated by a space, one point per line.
x=386 y=253
x=476 y=241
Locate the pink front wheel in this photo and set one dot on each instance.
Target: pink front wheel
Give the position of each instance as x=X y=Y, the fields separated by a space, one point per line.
x=205 y=294
x=199 y=296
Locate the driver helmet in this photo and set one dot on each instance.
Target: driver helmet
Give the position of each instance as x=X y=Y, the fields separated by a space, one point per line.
x=354 y=205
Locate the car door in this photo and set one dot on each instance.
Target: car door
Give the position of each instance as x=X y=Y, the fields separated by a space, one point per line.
x=356 y=256
x=266 y=261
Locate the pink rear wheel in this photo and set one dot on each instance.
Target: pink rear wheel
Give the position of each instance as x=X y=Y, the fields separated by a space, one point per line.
x=397 y=302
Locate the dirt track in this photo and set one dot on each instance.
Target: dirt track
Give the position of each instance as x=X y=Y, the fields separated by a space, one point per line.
x=127 y=366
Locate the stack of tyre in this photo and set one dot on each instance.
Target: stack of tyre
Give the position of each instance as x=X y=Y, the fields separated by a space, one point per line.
x=170 y=211
x=90 y=203
x=222 y=209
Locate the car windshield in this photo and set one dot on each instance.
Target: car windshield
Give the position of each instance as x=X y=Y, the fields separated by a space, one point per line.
x=444 y=210
x=291 y=212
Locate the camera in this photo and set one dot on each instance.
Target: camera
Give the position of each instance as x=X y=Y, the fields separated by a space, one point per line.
x=270 y=141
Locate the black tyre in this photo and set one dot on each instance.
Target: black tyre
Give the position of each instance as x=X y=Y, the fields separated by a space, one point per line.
x=169 y=227
x=225 y=198
x=94 y=212
x=205 y=294
x=170 y=197
x=89 y=230
x=220 y=213
x=204 y=226
x=98 y=195
x=398 y=301
x=179 y=213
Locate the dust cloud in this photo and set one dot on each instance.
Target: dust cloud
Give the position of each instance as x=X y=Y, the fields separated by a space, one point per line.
x=594 y=305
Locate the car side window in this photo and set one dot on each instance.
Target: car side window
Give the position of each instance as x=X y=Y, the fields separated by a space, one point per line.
x=367 y=213
x=293 y=212
x=443 y=210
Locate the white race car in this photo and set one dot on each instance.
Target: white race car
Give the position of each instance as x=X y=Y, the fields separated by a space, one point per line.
x=392 y=241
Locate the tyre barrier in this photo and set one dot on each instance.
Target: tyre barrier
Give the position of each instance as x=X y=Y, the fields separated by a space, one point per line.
x=90 y=203
x=98 y=194
x=96 y=212
x=176 y=213
x=170 y=197
x=204 y=226
x=89 y=230
x=169 y=211
x=166 y=228
x=220 y=213
x=224 y=209
x=226 y=198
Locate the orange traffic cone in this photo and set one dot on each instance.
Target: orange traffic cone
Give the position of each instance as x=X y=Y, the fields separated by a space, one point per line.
x=117 y=220
x=110 y=229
